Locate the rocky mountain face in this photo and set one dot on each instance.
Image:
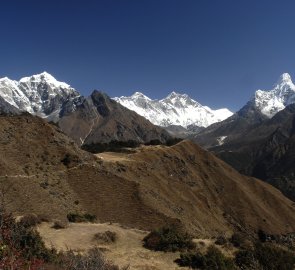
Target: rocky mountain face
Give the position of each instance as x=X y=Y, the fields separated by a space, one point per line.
x=99 y=119
x=272 y=101
x=258 y=140
x=6 y=108
x=230 y=128
x=88 y=120
x=40 y=94
x=266 y=151
x=45 y=172
x=262 y=106
x=176 y=109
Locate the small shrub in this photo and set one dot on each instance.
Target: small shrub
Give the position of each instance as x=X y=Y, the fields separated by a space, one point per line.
x=213 y=259
x=93 y=260
x=89 y=217
x=58 y=224
x=21 y=245
x=67 y=159
x=246 y=259
x=75 y=217
x=194 y=260
x=238 y=240
x=201 y=243
x=72 y=217
x=265 y=256
x=168 y=239
x=105 y=237
x=29 y=220
x=43 y=218
x=30 y=242
x=112 y=146
x=273 y=257
x=70 y=160
x=221 y=240
x=262 y=236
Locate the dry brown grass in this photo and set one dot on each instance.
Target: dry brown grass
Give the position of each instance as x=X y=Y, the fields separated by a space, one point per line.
x=148 y=189
x=126 y=250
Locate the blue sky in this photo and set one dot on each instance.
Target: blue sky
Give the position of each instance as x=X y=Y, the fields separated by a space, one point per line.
x=217 y=51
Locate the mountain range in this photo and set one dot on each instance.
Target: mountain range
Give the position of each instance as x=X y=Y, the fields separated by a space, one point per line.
x=65 y=155
x=176 y=109
x=249 y=139
x=44 y=96
x=88 y=120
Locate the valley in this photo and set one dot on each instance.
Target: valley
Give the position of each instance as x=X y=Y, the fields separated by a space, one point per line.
x=147 y=135
x=137 y=178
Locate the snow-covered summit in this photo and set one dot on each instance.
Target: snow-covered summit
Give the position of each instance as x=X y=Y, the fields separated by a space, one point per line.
x=44 y=77
x=137 y=95
x=39 y=94
x=175 y=109
x=269 y=102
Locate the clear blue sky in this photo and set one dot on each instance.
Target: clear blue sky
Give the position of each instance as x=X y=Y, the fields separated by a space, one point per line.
x=217 y=51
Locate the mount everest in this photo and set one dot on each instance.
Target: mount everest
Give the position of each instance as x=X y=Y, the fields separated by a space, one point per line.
x=175 y=109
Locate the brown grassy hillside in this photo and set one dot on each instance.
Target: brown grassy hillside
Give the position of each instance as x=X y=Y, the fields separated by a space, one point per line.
x=44 y=172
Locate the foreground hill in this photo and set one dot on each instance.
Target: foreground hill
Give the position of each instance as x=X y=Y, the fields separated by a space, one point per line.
x=45 y=172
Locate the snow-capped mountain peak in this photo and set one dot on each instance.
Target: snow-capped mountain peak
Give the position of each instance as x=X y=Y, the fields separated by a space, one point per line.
x=39 y=94
x=284 y=78
x=137 y=95
x=175 y=109
x=269 y=102
x=180 y=100
x=46 y=78
x=174 y=94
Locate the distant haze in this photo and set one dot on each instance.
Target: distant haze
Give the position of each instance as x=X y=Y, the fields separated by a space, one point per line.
x=218 y=52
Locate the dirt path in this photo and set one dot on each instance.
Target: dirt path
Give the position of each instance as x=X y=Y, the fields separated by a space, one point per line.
x=127 y=250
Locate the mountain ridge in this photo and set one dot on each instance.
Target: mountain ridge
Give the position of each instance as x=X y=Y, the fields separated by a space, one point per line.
x=88 y=120
x=262 y=106
x=265 y=151
x=174 y=109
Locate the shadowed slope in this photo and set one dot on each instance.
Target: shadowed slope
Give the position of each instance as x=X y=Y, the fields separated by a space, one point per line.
x=99 y=119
